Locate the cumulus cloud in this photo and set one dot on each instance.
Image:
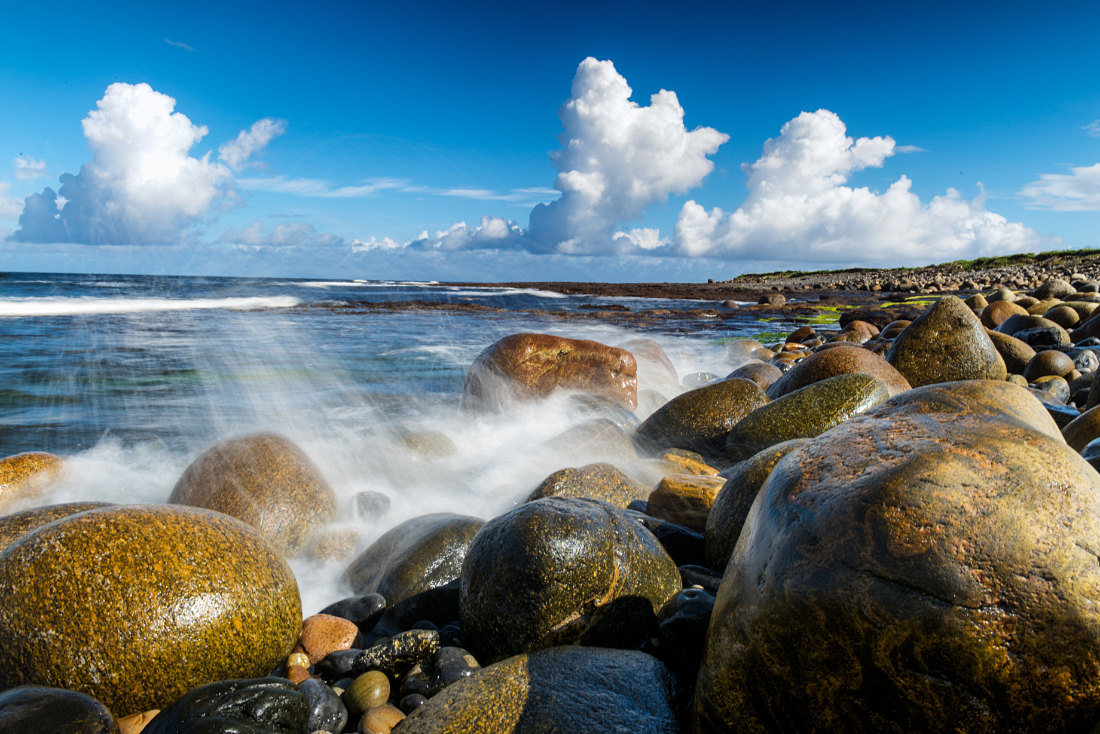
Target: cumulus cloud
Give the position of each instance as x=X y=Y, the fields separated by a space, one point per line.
x=799 y=205
x=616 y=158
x=28 y=169
x=1076 y=191
x=493 y=233
x=236 y=152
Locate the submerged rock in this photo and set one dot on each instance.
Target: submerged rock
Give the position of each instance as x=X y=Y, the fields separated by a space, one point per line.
x=142 y=603
x=535 y=365
x=264 y=480
x=930 y=565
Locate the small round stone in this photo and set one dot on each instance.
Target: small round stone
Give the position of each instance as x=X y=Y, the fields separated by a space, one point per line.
x=325 y=633
x=369 y=690
x=412 y=702
x=380 y=720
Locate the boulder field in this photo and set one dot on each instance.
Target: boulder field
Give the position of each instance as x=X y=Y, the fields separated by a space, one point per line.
x=887 y=526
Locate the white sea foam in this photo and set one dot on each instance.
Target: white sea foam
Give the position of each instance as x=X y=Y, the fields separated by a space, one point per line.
x=488 y=292
x=22 y=307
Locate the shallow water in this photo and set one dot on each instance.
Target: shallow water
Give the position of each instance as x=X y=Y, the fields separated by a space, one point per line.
x=130 y=378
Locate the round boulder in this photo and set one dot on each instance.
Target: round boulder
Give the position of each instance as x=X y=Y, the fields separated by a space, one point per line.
x=18 y=524
x=38 y=709
x=594 y=481
x=24 y=476
x=946 y=343
x=142 y=603
x=264 y=480
x=841 y=360
x=929 y=566
x=559 y=571
x=534 y=365
x=997 y=312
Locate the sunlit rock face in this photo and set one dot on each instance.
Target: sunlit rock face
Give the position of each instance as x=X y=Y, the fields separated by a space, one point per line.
x=135 y=605
x=523 y=366
x=930 y=565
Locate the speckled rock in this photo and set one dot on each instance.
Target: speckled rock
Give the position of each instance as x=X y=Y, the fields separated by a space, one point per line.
x=687 y=462
x=804 y=413
x=414 y=558
x=143 y=602
x=534 y=365
x=594 y=481
x=1015 y=353
x=563 y=689
x=684 y=499
x=561 y=570
x=241 y=706
x=264 y=480
x=24 y=476
x=929 y=566
x=18 y=524
x=325 y=633
x=1054 y=288
x=732 y=503
x=946 y=343
x=762 y=373
x=842 y=360
x=30 y=709
x=396 y=655
x=699 y=420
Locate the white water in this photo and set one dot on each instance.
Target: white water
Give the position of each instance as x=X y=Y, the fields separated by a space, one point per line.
x=23 y=307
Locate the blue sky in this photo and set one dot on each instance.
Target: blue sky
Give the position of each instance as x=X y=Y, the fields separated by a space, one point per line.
x=496 y=141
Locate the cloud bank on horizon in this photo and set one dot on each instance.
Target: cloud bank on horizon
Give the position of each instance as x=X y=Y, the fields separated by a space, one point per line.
x=144 y=187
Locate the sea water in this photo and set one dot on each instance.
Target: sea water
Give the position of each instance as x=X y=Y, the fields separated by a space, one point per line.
x=130 y=378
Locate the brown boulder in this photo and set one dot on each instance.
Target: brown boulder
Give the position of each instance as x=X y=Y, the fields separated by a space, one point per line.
x=594 y=481
x=843 y=360
x=944 y=344
x=524 y=366
x=684 y=499
x=997 y=312
x=1015 y=352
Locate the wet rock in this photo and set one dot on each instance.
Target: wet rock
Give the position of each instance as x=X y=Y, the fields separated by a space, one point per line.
x=595 y=481
x=264 y=480
x=762 y=373
x=325 y=633
x=18 y=524
x=136 y=723
x=655 y=369
x=523 y=366
x=599 y=438
x=1083 y=429
x=268 y=705
x=683 y=545
x=946 y=343
x=700 y=420
x=24 y=476
x=411 y=560
x=143 y=602
x=997 y=312
x=682 y=628
x=563 y=689
x=429 y=444
x=38 y=709
x=687 y=462
x=684 y=499
x=380 y=720
x=731 y=505
x=1048 y=362
x=701 y=577
x=364 y=611
x=561 y=570
x=1063 y=415
x=1015 y=353
x=804 y=413
x=326 y=711
x=371 y=505
x=842 y=360
x=928 y=566
x=368 y=690
x=741 y=350
x=397 y=654
x=774 y=300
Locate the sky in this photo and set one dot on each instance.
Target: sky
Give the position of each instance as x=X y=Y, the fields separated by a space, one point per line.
x=486 y=141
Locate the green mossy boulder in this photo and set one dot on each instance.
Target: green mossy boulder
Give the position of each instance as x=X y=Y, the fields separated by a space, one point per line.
x=559 y=571
x=264 y=480
x=563 y=689
x=135 y=605
x=946 y=343
x=593 y=481
x=929 y=566
x=700 y=419
x=804 y=413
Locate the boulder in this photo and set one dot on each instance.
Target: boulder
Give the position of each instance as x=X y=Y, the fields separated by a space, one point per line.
x=525 y=366
x=243 y=706
x=1083 y=429
x=684 y=499
x=24 y=476
x=594 y=481
x=264 y=480
x=944 y=344
x=38 y=709
x=804 y=413
x=1054 y=288
x=997 y=312
x=1048 y=362
x=842 y=360
x=18 y=524
x=1015 y=353
x=599 y=438
x=558 y=571
x=142 y=603
x=930 y=565
x=699 y=420
x=563 y=689
x=655 y=369
x=762 y=373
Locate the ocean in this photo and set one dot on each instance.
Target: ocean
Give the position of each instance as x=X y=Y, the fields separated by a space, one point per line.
x=129 y=378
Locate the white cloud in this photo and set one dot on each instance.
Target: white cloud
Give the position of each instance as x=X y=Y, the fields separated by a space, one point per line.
x=236 y=152
x=616 y=158
x=288 y=234
x=493 y=233
x=1092 y=129
x=10 y=208
x=1077 y=191
x=178 y=44
x=28 y=169
x=799 y=206
x=140 y=187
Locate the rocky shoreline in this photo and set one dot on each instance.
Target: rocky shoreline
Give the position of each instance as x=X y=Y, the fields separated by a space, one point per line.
x=886 y=523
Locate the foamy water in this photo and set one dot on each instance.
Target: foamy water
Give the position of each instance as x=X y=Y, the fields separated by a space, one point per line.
x=87 y=305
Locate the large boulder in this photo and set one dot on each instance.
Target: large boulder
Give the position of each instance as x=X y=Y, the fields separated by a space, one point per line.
x=24 y=476
x=946 y=343
x=535 y=365
x=804 y=413
x=264 y=480
x=134 y=605
x=842 y=360
x=563 y=689
x=700 y=419
x=32 y=709
x=593 y=481
x=559 y=571
x=18 y=524
x=930 y=566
